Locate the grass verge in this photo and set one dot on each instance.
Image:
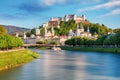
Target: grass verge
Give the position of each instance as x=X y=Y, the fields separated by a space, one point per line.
x=16 y=58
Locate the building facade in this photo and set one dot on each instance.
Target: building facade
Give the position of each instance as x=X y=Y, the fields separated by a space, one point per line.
x=48 y=34
x=80 y=32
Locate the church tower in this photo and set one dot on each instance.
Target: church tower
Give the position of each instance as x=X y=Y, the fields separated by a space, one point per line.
x=83 y=16
x=81 y=28
x=24 y=35
x=77 y=30
x=88 y=30
x=17 y=34
x=45 y=32
x=52 y=31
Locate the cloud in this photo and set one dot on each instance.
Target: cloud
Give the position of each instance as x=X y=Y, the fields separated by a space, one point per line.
x=44 y=5
x=32 y=8
x=110 y=4
x=52 y=2
x=114 y=12
x=66 y=2
x=88 y=1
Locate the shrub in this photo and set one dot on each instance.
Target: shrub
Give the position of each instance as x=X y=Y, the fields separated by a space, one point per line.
x=39 y=42
x=53 y=42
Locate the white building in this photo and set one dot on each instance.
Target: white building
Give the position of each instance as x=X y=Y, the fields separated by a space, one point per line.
x=75 y=18
x=47 y=33
x=17 y=34
x=80 y=32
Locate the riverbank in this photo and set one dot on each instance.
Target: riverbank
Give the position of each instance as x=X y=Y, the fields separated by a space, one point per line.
x=15 y=58
x=76 y=48
x=41 y=47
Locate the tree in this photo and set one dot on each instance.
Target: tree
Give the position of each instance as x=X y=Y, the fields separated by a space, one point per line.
x=80 y=41
x=2 y=30
x=28 y=34
x=116 y=30
x=117 y=37
x=9 y=42
x=33 y=31
x=101 y=39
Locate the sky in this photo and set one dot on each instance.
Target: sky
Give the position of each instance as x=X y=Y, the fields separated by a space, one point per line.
x=32 y=13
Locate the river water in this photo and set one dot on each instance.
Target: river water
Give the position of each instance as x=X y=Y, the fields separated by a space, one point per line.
x=67 y=65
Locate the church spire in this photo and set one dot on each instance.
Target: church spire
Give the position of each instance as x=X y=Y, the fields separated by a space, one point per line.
x=88 y=30
x=52 y=31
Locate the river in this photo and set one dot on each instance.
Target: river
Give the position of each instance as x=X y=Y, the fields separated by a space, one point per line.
x=67 y=65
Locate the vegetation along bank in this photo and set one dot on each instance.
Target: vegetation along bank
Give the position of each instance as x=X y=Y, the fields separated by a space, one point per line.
x=104 y=43
x=16 y=58
x=76 y=48
x=11 y=52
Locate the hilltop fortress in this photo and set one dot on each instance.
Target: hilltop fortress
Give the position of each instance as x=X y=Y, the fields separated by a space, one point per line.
x=56 y=21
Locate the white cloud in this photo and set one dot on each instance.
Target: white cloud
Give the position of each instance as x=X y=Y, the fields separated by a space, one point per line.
x=110 y=4
x=89 y=2
x=51 y=2
x=114 y=12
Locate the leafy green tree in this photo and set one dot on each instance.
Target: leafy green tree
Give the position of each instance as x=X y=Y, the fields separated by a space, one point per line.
x=117 y=38
x=9 y=42
x=2 y=30
x=80 y=41
x=33 y=31
x=116 y=30
x=28 y=34
x=101 y=39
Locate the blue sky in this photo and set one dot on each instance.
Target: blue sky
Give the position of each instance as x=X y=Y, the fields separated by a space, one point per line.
x=31 y=13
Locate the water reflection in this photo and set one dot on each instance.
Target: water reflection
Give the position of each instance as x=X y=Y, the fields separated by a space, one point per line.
x=67 y=65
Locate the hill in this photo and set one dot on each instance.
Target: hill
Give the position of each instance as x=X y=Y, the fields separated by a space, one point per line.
x=13 y=29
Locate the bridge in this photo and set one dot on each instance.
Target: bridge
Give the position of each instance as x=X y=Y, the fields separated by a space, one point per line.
x=39 y=45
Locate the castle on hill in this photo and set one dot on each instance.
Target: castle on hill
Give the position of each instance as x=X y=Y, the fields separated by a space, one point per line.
x=56 y=21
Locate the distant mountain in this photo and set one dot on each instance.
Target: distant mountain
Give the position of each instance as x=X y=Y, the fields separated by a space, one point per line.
x=13 y=29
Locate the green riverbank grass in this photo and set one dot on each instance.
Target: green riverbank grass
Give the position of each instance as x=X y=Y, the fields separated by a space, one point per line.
x=111 y=50
x=16 y=58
